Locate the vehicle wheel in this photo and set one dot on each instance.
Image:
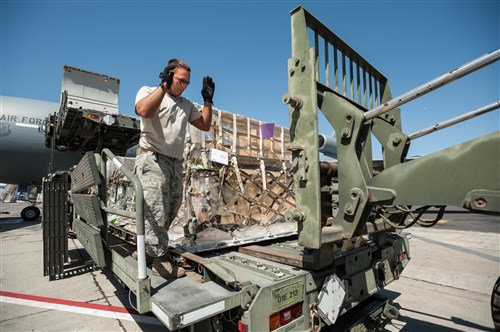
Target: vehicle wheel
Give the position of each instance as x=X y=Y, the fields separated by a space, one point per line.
x=495 y=305
x=30 y=213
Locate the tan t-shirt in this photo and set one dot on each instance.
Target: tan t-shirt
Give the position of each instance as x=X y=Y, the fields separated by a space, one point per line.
x=165 y=132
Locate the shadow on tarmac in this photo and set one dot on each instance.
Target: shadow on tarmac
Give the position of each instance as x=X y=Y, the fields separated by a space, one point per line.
x=13 y=223
x=477 y=253
x=410 y=324
x=413 y=324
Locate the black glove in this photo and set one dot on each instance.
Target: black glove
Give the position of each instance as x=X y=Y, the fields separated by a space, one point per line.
x=207 y=92
x=167 y=75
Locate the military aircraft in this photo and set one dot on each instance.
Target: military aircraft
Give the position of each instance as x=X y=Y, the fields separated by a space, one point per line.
x=24 y=157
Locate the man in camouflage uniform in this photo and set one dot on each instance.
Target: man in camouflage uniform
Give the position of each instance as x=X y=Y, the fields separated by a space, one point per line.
x=164 y=116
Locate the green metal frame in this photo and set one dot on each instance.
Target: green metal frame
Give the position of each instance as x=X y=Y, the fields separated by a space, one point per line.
x=88 y=220
x=90 y=223
x=354 y=100
x=55 y=223
x=134 y=276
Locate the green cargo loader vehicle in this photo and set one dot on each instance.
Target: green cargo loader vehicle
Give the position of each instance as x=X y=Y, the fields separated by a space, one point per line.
x=352 y=214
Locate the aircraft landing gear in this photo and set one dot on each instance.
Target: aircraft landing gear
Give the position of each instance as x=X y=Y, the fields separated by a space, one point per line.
x=30 y=213
x=495 y=305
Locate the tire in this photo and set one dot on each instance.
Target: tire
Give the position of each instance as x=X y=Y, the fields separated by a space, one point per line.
x=495 y=305
x=30 y=213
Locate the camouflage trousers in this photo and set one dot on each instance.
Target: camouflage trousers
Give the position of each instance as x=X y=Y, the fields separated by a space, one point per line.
x=161 y=179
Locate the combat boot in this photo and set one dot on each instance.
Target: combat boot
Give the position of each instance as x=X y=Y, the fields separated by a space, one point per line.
x=164 y=267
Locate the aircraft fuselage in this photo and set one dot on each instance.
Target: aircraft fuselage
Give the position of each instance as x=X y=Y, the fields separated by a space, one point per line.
x=24 y=157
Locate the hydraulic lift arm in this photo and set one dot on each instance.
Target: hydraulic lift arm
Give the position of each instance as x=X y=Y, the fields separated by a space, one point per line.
x=356 y=100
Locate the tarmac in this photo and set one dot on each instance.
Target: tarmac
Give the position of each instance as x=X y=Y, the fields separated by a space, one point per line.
x=446 y=286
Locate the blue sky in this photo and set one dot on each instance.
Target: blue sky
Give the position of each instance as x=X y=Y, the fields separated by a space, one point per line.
x=245 y=45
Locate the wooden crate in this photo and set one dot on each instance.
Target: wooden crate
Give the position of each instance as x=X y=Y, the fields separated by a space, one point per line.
x=241 y=137
x=250 y=183
x=243 y=191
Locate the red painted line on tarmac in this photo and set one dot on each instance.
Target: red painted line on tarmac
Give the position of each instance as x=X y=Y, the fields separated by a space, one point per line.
x=85 y=308
x=70 y=303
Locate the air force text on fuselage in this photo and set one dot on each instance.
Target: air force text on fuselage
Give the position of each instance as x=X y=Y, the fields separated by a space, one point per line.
x=19 y=119
x=8 y=120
